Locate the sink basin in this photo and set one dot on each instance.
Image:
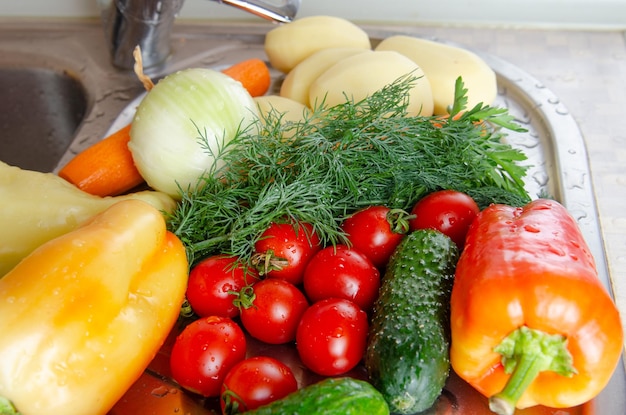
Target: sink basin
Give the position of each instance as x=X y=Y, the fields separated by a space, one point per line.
x=40 y=112
x=58 y=91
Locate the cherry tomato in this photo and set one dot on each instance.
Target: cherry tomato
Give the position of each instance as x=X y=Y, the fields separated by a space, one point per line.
x=275 y=311
x=342 y=272
x=376 y=231
x=447 y=211
x=214 y=283
x=284 y=249
x=204 y=352
x=254 y=382
x=332 y=336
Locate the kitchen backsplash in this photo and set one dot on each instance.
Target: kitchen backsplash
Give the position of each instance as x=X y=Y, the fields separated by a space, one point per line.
x=544 y=13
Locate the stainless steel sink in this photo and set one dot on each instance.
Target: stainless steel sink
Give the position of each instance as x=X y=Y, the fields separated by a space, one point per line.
x=40 y=111
x=56 y=86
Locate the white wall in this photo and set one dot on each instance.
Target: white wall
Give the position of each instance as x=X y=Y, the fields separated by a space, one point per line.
x=553 y=13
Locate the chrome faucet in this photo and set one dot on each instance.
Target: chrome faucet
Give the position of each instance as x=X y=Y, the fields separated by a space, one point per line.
x=148 y=24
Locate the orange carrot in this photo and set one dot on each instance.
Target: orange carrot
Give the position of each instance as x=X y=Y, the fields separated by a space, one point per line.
x=106 y=168
x=253 y=74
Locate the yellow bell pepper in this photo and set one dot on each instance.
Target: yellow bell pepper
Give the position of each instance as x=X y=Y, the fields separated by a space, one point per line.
x=83 y=315
x=36 y=207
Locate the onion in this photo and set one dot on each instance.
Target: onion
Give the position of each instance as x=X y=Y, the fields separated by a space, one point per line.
x=165 y=137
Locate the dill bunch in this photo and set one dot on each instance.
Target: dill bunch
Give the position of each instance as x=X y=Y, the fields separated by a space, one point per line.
x=343 y=158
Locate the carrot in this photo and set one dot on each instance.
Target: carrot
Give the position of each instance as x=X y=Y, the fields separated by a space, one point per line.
x=253 y=74
x=106 y=168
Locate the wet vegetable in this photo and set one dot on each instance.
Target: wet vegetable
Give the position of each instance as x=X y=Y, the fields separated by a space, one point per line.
x=407 y=357
x=531 y=322
x=343 y=395
x=84 y=314
x=37 y=207
x=182 y=125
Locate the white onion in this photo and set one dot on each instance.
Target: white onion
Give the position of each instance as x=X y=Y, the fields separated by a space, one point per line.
x=165 y=134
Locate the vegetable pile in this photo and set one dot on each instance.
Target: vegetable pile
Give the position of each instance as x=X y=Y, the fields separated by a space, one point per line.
x=372 y=221
x=343 y=158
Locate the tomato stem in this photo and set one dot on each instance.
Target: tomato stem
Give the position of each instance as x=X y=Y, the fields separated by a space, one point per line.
x=526 y=353
x=267 y=261
x=232 y=403
x=399 y=220
x=185 y=312
x=244 y=298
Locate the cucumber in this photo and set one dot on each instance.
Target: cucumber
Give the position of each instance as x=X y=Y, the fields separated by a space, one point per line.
x=407 y=357
x=331 y=396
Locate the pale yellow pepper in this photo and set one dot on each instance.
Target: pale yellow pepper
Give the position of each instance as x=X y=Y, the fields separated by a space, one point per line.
x=36 y=207
x=82 y=316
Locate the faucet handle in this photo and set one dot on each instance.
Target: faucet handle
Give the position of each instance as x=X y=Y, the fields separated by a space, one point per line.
x=148 y=24
x=281 y=11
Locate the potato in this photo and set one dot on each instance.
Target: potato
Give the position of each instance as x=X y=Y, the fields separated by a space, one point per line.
x=298 y=81
x=359 y=76
x=289 y=110
x=443 y=64
x=291 y=43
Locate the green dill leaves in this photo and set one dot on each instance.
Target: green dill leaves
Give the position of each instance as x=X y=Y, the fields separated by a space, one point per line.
x=343 y=158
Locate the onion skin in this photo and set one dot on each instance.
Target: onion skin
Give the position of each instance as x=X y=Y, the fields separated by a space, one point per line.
x=165 y=134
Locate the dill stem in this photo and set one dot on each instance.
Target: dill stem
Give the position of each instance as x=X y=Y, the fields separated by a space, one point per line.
x=207 y=243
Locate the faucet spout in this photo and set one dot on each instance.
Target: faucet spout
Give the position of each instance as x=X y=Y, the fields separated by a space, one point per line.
x=281 y=12
x=148 y=24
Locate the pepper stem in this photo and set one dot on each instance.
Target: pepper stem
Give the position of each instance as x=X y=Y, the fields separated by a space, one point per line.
x=6 y=407
x=525 y=353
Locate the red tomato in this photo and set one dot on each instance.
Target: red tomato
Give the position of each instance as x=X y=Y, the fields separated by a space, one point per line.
x=214 y=283
x=332 y=336
x=204 y=352
x=376 y=231
x=284 y=249
x=342 y=272
x=254 y=382
x=447 y=211
x=275 y=311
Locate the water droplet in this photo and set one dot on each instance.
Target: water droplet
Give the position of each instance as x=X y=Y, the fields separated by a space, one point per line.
x=557 y=251
x=144 y=292
x=160 y=391
x=562 y=111
x=541 y=178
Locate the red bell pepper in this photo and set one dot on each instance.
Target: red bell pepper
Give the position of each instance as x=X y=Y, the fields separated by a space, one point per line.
x=531 y=323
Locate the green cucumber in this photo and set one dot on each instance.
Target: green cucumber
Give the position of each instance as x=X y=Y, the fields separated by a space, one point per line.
x=407 y=357
x=331 y=396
